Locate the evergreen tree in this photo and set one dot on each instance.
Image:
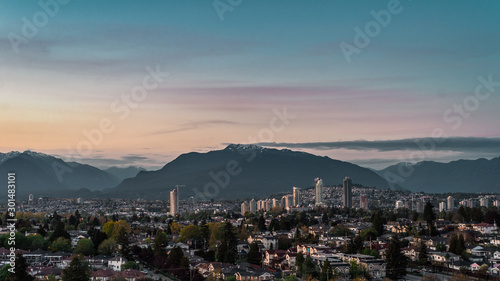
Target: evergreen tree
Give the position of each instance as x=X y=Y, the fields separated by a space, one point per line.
x=396 y=261
x=160 y=243
x=422 y=254
x=20 y=273
x=453 y=243
x=460 y=245
x=430 y=217
x=254 y=255
x=378 y=222
x=262 y=223
x=175 y=256
x=226 y=248
x=299 y=260
x=326 y=271
x=308 y=268
x=78 y=270
x=59 y=231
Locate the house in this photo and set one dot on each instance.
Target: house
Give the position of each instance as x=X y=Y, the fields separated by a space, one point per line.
x=46 y=272
x=485 y=228
x=102 y=275
x=35 y=257
x=99 y=262
x=132 y=274
x=274 y=258
x=290 y=259
x=56 y=258
x=375 y=267
x=116 y=263
x=260 y=275
x=442 y=257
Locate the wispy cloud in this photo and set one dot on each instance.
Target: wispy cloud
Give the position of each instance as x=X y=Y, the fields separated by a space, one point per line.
x=194 y=126
x=459 y=144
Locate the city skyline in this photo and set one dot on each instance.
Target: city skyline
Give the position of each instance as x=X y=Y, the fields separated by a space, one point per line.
x=214 y=79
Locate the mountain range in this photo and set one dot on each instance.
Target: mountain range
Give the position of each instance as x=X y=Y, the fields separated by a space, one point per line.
x=243 y=171
x=237 y=171
x=46 y=175
x=479 y=175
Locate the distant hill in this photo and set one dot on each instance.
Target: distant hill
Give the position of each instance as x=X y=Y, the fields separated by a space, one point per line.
x=479 y=175
x=124 y=173
x=45 y=175
x=263 y=172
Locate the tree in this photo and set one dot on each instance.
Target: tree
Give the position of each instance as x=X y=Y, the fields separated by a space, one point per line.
x=36 y=241
x=122 y=240
x=226 y=248
x=108 y=228
x=396 y=261
x=308 y=268
x=78 y=270
x=61 y=244
x=430 y=217
x=262 y=223
x=454 y=244
x=175 y=256
x=299 y=260
x=97 y=236
x=378 y=222
x=460 y=245
x=4 y=272
x=254 y=255
x=160 y=243
x=422 y=254
x=130 y=265
x=20 y=273
x=59 y=232
x=483 y=270
x=190 y=232
x=85 y=247
x=326 y=271
x=108 y=247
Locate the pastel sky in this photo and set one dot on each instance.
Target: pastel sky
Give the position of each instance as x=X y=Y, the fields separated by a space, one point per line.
x=229 y=74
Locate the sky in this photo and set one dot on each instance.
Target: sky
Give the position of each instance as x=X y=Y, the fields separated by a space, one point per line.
x=141 y=82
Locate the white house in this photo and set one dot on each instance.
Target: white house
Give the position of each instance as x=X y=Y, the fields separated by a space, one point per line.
x=116 y=263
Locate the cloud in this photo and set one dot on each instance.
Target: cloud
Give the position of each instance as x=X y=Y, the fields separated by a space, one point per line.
x=194 y=126
x=458 y=144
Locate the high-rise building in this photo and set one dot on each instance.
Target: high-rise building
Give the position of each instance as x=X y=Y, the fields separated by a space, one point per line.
x=485 y=202
x=288 y=201
x=174 y=202
x=319 y=191
x=451 y=203
x=347 y=193
x=30 y=200
x=296 y=196
x=442 y=207
x=400 y=204
x=253 y=206
x=269 y=205
x=276 y=203
x=363 y=202
x=245 y=208
x=420 y=206
x=496 y=203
